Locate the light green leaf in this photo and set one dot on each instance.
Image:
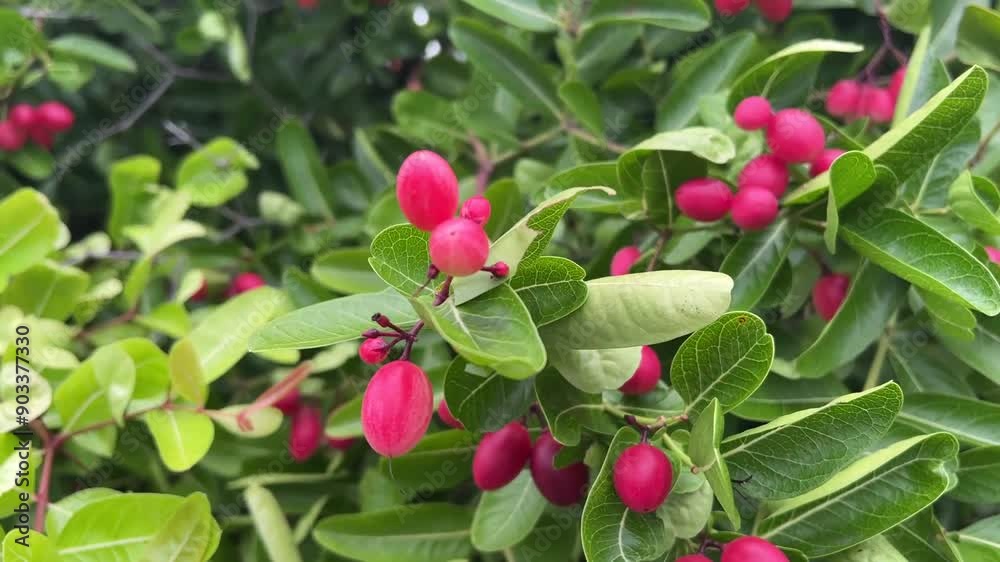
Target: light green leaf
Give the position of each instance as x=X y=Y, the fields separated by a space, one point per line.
x=446 y=455
x=851 y=174
x=982 y=353
x=754 y=263
x=706 y=435
x=682 y=15
x=426 y=532
x=346 y=270
x=583 y=104
x=182 y=437
x=27 y=547
x=186 y=375
x=46 y=290
x=877 y=549
x=400 y=257
x=568 y=410
x=302 y=167
x=263 y=422
x=271 y=525
x=526 y=14
x=949 y=317
x=190 y=535
x=152 y=373
x=687 y=512
x=978 y=36
x=688 y=150
x=551 y=287
x=482 y=399
x=595 y=370
x=972 y=422
x=29 y=230
x=345 y=421
x=506 y=516
x=86 y=47
x=238 y=54
x=11 y=387
x=976 y=200
x=215 y=173
x=980 y=542
x=115 y=373
x=117 y=527
x=132 y=183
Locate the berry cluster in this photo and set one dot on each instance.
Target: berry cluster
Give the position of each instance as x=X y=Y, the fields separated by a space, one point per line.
x=39 y=124
x=853 y=99
x=306 y=434
x=743 y=549
x=773 y=10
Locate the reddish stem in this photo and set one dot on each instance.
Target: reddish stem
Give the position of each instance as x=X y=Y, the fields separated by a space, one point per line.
x=270 y=396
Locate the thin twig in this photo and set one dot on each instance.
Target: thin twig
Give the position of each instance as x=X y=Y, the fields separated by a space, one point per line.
x=658 y=251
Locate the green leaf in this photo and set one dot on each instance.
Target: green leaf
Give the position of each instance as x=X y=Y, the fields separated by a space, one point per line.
x=439 y=462
x=980 y=541
x=982 y=353
x=642 y=309
x=47 y=290
x=400 y=257
x=21 y=38
x=923 y=256
x=726 y=360
x=873 y=297
x=271 y=525
x=682 y=15
x=786 y=77
x=182 y=437
x=131 y=182
x=583 y=104
x=345 y=421
x=769 y=457
x=526 y=14
x=29 y=230
x=851 y=174
x=875 y=549
x=115 y=374
x=551 y=287
x=215 y=173
x=494 y=330
x=929 y=187
x=867 y=498
x=917 y=139
x=302 y=167
x=595 y=370
x=611 y=532
x=186 y=376
x=346 y=270
x=949 y=317
x=238 y=54
x=754 y=261
x=978 y=36
x=484 y=400
x=11 y=413
x=22 y=545
x=687 y=149
x=972 y=422
x=568 y=410
x=779 y=396
x=95 y=392
x=263 y=422
x=191 y=534
x=505 y=517
x=514 y=69
x=976 y=200
x=152 y=373
x=977 y=469
x=427 y=532
x=221 y=338
x=687 y=512
x=85 y=47
x=926 y=368
x=706 y=435
x=117 y=527
x=921 y=537
x=554 y=539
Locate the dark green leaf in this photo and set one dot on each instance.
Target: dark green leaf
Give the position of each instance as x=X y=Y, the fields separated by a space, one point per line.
x=428 y=532
x=754 y=263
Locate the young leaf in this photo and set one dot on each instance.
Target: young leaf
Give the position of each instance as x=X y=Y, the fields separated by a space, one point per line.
x=399 y=255
x=705 y=438
x=216 y=172
x=754 y=263
x=47 y=290
x=29 y=229
x=271 y=525
x=185 y=372
x=850 y=175
x=302 y=167
x=263 y=422
x=117 y=527
x=694 y=146
x=687 y=512
x=484 y=400
x=345 y=421
x=29 y=547
x=978 y=36
x=182 y=437
x=506 y=516
x=189 y=534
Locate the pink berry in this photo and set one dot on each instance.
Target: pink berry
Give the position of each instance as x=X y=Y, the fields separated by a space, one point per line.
x=754 y=208
x=731 y=7
x=444 y=412
x=829 y=293
x=563 y=486
x=704 y=199
x=23 y=116
x=767 y=171
x=877 y=104
x=374 y=350
x=55 y=117
x=824 y=161
x=427 y=189
x=339 y=444
x=11 y=137
x=844 y=98
x=776 y=11
x=307 y=430
x=643 y=477
x=646 y=375
x=477 y=209
x=624 y=259
x=794 y=135
x=993 y=253
x=41 y=137
x=500 y=456
x=397 y=408
x=694 y=558
x=753 y=113
x=308 y=4
x=896 y=84
x=499 y=269
x=244 y=282
x=289 y=402
x=459 y=247
x=752 y=549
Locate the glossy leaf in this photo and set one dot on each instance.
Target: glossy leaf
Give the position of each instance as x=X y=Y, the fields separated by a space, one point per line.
x=779 y=396
x=29 y=229
x=182 y=437
x=851 y=174
x=972 y=422
x=271 y=525
x=439 y=462
x=302 y=167
x=754 y=263
x=190 y=534
x=526 y=14
x=484 y=400
x=346 y=271
x=977 y=469
x=706 y=435
x=551 y=288
x=117 y=527
x=569 y=411
x=506 y=516
x=976 y=200
x=185 y=372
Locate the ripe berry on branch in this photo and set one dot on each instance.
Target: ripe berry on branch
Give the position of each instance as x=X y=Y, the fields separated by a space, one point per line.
x=754 y=208
x=794 y=135
x=767 y=171
x=500 y=456
x=459 y=247
x=824 y=161
x=427 y=189
x=993 y=254
x=11 y=137
x=54 y=117
x=244 y=282
x=752 y=549
x=477 y=209
x=397 y=408
x=775 y=11
x=444 y=412
x=563 y=486
x=339 y=444
x=306 y=433
x=704 y=199
x=896 y=84
x=23 y=116
x=646 y=375
x=753 y=113
x=844 y=98
x=624 y=259
x=731 y=7
x=289 y=402
x=877 y=104
x=374 y=350
x=828 y=294
x=643 y=477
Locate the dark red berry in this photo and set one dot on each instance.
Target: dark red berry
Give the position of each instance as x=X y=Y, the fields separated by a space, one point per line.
x=42 y=138
x=55 y=117
x=564 y=486
x=776 y=11
x=754 y=208
x=828 y=294
x=767 y=171
x=459 y=247
x=731 y=7
x=694 y=558
x=11 y=137
x=794 y=135
x=624 y=259
x=308 y=4
x=477 y=209
x=704 y=199
x=339 y=444
x=753 y=113
x=643 y=476
x=307 y=431
x=824 y=161
x=374 y=350
x=427 y=189
x=444 y=412
x=289 y=402
x=397 y=408
x=202 y=293
x=752 y=549
x=244 y=282
x=23 y=116
x=501 y=456
x=646 y=375
x=844 y=98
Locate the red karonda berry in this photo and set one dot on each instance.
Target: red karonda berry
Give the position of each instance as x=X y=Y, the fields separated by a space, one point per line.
x=459 y=247
x=694 y=558
x=767 y=171
x=829 y=293
x=397 y=408
x=427 y=189
x=444 y=412
x=753 y=113
x=501 y=456
x=704 y=199
x=731 y=7
x=340 y=444
x=794 y=135
x=754 y=208
x=477 y=209
x=374 y=350
x=55 y=117
x=306 y=434
x=289 y=402
x=499 y=269
x=993 y=254
x=752 y=549
x=308 y=4
x=23 y=116
x=42 y=138
x=563 y=486
x=775 y=11
x=643 y=476
x=896 y=84
x=11 y=137
x=646 y=375
x=202 y=293
x=624 y=259
x=824 y=161
x=244 y=282
x=877 y=104
x=844 y=98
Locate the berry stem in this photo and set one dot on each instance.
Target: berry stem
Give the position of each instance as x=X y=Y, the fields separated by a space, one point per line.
x=658 y=251
x=676 y=449
x=411 y=336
